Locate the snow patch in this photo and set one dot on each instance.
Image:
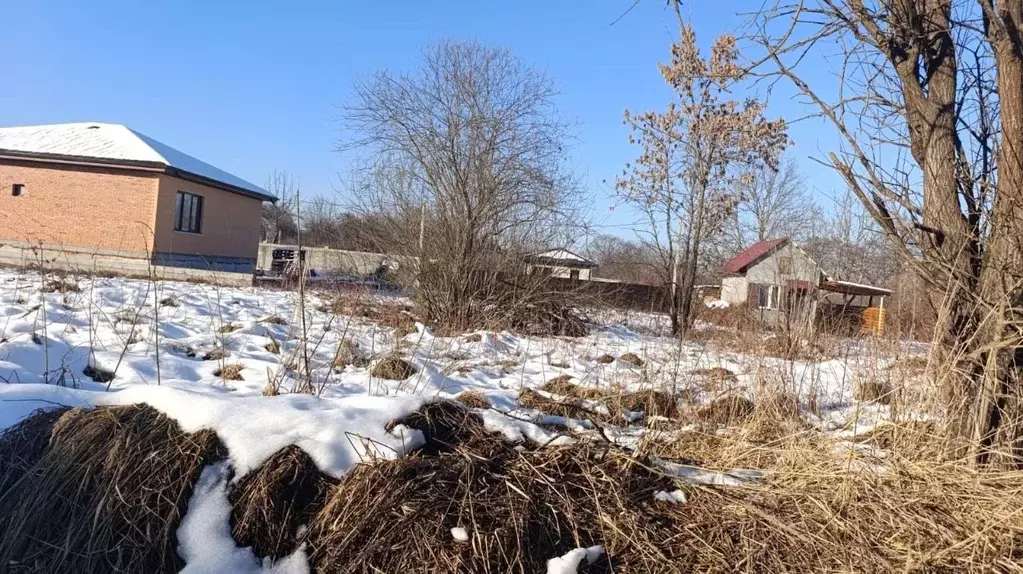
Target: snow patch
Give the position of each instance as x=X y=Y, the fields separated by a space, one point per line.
x=569 y=563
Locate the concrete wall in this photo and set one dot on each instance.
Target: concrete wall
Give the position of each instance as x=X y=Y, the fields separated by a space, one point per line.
x=229 y=238
x=106 y=261
x=333 y=261
x=94 y=208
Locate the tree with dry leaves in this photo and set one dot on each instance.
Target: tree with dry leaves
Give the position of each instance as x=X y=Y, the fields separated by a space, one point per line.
x=928 y=105
x=693 y=156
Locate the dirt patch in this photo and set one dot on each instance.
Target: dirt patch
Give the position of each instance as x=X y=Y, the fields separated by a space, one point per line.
x=98 y=374
x=107 y=494
x=393 y=368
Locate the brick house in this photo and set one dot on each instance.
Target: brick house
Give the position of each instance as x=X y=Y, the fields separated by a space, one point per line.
x=103 y=197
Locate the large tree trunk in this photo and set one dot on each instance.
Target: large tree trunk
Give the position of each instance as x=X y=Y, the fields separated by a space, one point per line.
x=998 y=410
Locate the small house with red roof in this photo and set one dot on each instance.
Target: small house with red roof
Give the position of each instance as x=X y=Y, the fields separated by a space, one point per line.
x=784 y=286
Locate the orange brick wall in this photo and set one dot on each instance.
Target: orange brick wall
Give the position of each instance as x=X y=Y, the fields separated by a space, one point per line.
x=95 y=208
x=230 y=222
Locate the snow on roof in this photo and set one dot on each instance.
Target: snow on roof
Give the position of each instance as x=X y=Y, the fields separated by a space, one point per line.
x=114 y=142
x=561 y=254
x=561 y=257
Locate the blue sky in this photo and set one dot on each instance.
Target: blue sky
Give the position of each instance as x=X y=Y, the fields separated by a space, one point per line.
x=254 y=87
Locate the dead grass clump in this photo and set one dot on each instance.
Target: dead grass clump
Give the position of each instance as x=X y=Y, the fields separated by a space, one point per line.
x=650 y=402
x=446 y=425
x=913 y=365
x=398 y=317
x=632 y=359
x=98 y=374
x=229 y=372
x=350 y=353
x=393 y=368
x=473 y=399
x=274 y=320
x=272 y=503
x=217 y=354
x=170 y=301
x=725 y=410
x=563 y=385
x=273 y=347
x=474 y=338
x=60 y=286
x=520 y=510
x=923 y=440
x=606 y=359
x=228 y=328
x=716 y=377
x=568 y=407
x=106 y=493
x=21 y=445
x=873 y=391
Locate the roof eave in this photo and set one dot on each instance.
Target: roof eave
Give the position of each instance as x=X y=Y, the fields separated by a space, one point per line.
x=194 y=177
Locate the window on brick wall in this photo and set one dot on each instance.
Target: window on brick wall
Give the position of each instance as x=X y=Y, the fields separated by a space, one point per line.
x=188 y=213
x=17 y=189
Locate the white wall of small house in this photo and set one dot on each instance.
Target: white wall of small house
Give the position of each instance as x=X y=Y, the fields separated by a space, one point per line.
x=768 y=270
x=734 y=290
x=561 y=272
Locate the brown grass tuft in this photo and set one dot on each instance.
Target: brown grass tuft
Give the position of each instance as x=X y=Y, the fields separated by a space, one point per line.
x=632 y=359
x=271 y=503
x=229 y=372
x=562 y=385
x=725 y=410
x=474 y=338
x=873 y=391
x=606 y=359
x=473 y=399
x=98 y=374
x=170 y=301
x=60 y=286
x=217 y=354
x=107 y=492
x=228 y=328
x=273 y=347
x=349 y=353
x=716 y=377
x=274 y=320
x=393 y=368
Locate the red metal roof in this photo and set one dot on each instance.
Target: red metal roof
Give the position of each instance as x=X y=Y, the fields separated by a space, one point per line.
x=742 y=261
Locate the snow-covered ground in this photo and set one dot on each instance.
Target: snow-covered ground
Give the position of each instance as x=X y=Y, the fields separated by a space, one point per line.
x=154 y=337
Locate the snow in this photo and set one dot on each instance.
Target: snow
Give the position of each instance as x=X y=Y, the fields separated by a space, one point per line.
x=674 y=497
x=112 y=142
x=156 y=353
x=460 y=534
x=562 y=254
x=204 y=536
x=569 y=563
x=716 y=304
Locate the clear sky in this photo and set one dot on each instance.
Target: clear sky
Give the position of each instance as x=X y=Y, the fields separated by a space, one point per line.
x=253 y=87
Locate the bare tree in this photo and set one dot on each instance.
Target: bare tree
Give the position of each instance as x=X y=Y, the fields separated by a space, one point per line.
x=692 y=156
x=278 y=223
x=772 y=203
x=929 y=109
x=463 y=163
x=623 y=259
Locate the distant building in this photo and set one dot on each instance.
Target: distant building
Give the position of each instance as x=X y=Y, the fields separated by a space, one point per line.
x=782 y=285
x=103 y=197
x=560 y=263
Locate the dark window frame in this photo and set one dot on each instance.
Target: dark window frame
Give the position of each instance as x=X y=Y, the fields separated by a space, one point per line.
x=17 y=189
x=188 y=213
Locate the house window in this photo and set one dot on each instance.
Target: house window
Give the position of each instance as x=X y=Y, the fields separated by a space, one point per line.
x=768 y=296
x=17 y=189
x=574 y=274
x=188 y=213
x=785 y=265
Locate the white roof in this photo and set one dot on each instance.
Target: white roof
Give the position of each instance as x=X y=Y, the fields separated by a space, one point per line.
x=113 y=142
x=562 y=254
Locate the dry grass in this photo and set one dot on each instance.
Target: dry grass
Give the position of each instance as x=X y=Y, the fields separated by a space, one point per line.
x=393 y=368
x=716 y=377
x=105 y=494
x=230 y=372
x=217 y=354
x=228 y=328
x=107 y=491
x=349 y=353
x=725 y=411
x=170 y=301
x=473 y=399
x=273 y=347
x=873 y=391
x=60 y=286
x=274 y=320
x=605 y=359
x=563 y=385
x=272 y=503
x=631 y=359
